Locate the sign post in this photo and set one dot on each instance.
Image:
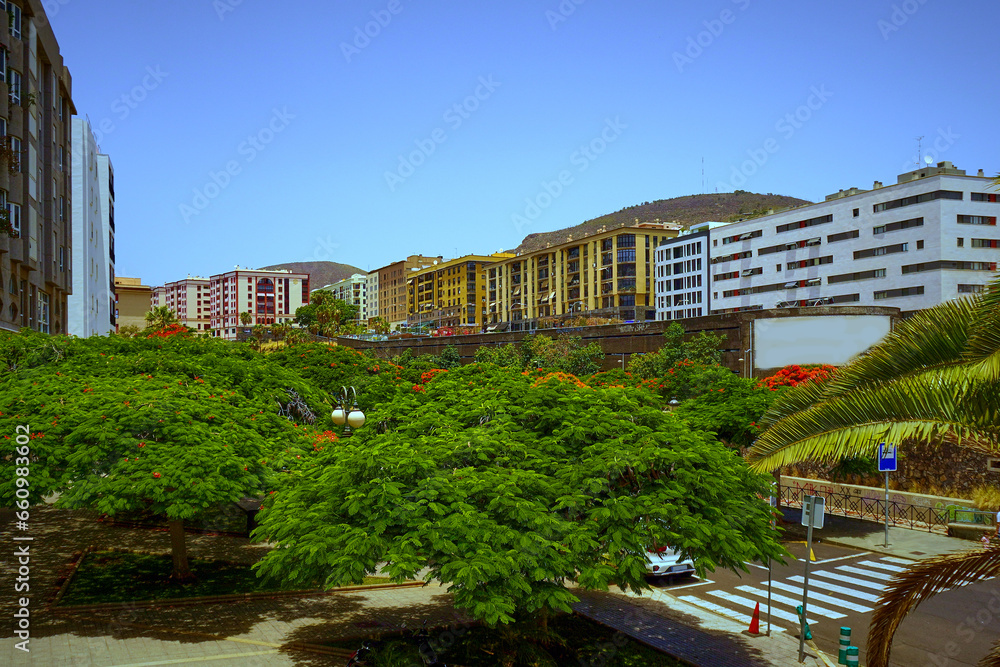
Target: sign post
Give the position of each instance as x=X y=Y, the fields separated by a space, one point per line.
x=886 y=464
x=813 y=511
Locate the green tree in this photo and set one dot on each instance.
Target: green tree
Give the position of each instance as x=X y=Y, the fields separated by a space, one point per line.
x=246 y=318
x=171 y=427
x=507 y=488
x=934 y=379
x=325 y=314
x=506 y=356
x=702 y=349
x=379 y=325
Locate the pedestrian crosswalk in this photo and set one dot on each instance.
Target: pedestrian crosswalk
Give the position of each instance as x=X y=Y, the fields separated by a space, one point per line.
x=835 y=590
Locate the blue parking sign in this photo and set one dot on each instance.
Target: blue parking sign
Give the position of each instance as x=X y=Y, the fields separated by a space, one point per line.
x=886 y=457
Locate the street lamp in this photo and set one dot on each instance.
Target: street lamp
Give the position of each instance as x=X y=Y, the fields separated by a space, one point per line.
x=673 y=404
x=350 y=417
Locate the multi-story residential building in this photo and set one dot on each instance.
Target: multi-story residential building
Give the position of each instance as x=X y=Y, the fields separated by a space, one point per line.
x=190 y=299
x=608 y=273
x=134 y=300
x=36 y=106
x=352 y=291
x=106 y=183
x=450 y=294
x=91 y=306
x=928 y=238
x=270 y=297
x=370 y=311
x=392 y=295
x=681 y=288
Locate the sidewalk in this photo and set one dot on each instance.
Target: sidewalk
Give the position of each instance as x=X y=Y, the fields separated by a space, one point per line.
x=870 y=536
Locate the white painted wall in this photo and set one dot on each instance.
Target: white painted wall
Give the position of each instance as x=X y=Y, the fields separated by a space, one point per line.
x=833 y=339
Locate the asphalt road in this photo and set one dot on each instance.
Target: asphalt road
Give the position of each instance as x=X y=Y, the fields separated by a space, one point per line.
x=953 y=629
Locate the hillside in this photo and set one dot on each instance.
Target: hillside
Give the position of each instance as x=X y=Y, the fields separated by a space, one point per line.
x=320 y=273
x=724 y=207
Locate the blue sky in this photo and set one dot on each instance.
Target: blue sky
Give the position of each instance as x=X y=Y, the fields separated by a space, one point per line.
x=252 y=133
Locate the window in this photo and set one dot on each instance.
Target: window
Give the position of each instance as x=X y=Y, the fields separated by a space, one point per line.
x=726 y=276
x=739 y=255
x=15 y=150
x=857 y=212
x=977 y=220
x=626 y=240
x=43 y=312
x=843 y=236
x=916 y=199
x=815 y=261
x=3 y=64
x=626 y=254
x=983 y=196
x=971 y=289
x=985 y=243
x=883 y=250
x=920 y=244
x=14 y=210
x=949 y=266
x=745 y=236
x=897 y=293
x=812 y=222
x=15 y=20
x=960 y=241
x=14 y=80
x=895 y=226
x=858 y=275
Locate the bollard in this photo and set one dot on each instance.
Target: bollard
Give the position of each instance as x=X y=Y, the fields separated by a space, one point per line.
x=845 y=641
x=852 y=656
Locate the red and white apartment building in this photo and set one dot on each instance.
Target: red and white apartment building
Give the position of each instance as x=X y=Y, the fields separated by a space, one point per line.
x=189 y=299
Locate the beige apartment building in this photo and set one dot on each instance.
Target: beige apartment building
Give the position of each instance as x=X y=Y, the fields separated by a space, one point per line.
x=189 y=299
x=450 y=294
x=392 y=298
x=36 y=106
x=133 y=301
x=270 y=297
x=609 y=273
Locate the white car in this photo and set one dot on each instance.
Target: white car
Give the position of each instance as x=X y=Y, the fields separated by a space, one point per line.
x=665 y=562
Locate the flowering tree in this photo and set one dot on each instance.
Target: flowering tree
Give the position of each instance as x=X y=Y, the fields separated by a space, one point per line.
x=793 y=376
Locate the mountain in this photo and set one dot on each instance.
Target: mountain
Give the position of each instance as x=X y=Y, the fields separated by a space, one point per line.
x=321 y=274
x=723 y=207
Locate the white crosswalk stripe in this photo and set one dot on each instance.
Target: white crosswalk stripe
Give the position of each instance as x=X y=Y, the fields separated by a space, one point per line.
x=843 y=578
x=825 y=585
x=882 y=566
x=901 y=561
x=850 y=569
x=813 y=609
x=821 y=597
x=717 y=608
x=750 y=604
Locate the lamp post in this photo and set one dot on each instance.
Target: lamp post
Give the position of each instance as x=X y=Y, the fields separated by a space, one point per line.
x=348 y=417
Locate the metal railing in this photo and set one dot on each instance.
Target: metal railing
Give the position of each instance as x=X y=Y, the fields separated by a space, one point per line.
x=873 y=509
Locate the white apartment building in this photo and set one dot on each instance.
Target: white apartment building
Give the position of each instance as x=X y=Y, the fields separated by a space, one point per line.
x=270 y=297
x=371 y=297
x=189 y=299
x=91 y=308
x=353 y=291
x=682 y=288
x=928 y=238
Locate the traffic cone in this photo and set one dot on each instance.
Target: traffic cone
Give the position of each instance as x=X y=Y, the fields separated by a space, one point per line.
x=755 y=621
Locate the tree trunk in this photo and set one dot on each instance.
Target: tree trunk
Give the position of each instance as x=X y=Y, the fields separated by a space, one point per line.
x=178 y=550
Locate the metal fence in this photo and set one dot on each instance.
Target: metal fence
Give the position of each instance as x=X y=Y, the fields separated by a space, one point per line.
x=873 y=509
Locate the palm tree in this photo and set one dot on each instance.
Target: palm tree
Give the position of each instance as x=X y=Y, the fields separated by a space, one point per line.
x=159 y=317
x=935 y=379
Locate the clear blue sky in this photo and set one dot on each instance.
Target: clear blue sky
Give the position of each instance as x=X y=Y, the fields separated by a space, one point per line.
x=330 y=121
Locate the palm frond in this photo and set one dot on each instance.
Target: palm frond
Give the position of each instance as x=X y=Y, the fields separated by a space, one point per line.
x=927 y=408
x=918 y=582
x=991 y=659
x=985 y=338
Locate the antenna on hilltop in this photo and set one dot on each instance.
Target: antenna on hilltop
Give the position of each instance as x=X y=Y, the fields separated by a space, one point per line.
x=703 y=175
x=920 y=161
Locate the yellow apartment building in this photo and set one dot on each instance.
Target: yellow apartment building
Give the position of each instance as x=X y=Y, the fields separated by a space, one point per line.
x=608 y=273
x=450 y=294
